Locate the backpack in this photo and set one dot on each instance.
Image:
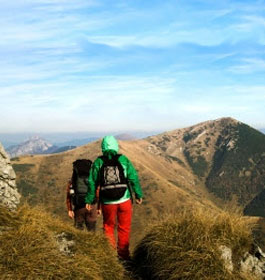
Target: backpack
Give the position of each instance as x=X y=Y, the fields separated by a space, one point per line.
x=81 y=168
x=112 y=181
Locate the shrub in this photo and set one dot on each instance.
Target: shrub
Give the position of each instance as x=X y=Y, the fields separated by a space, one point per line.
x=22 y=167
x=26 y=188
x=15 y=159
x=198 y=164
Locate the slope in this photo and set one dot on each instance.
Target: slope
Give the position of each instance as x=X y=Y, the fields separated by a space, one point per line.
x=206 y=164
x=167 y=185
x=227 y=156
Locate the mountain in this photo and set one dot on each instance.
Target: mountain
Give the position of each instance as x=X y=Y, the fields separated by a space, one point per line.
x=84 y=141
x=226 y=155
x=76 y=142
x=35 y=145
x=55 y=149
x=193 y=241
x=125 y=137
x=211 y=165
x=256 y=207
x=70 y=138
x=43 y=180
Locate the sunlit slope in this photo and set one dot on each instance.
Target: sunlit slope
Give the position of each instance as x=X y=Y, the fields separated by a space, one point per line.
x=226 y=155
x=206 y=164
x=166 y=184
x=35 y=245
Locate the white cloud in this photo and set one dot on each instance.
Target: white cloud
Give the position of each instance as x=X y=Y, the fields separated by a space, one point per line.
x=52 y=70
x=248 y=65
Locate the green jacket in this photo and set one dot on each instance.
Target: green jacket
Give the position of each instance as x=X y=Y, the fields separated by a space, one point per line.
x=110 y=147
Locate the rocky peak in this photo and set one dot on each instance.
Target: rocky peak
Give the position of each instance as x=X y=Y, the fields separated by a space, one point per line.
x=35 y=145
x=9 y=195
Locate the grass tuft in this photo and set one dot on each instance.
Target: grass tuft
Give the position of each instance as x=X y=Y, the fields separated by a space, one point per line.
x=186 y=247
x=29 y=249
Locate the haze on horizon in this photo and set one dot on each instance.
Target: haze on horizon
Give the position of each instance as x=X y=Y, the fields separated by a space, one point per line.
x=98 y=65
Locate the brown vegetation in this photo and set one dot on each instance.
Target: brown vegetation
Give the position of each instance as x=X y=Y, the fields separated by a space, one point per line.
x=29 y=250
x=176 y=168
x=186 y=246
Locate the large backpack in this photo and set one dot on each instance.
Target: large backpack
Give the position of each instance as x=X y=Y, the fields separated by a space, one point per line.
x=113 y=183
x=81 y=168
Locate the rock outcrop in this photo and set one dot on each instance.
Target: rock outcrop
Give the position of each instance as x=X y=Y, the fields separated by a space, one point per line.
x=65 y=243
x=9 y=195
x=252 y=263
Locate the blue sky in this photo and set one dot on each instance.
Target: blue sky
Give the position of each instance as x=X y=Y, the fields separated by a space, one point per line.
x=93 y=65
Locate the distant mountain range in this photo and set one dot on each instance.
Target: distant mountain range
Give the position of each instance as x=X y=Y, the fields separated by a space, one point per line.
x=84 y=141
x=76 y=142
x=35 y=145
x=71 y=139
x=68 y=138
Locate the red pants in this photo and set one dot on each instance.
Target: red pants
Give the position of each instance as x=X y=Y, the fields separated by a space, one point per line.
x=123 y=214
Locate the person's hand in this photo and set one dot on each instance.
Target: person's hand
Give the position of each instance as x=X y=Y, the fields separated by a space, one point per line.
x=99 y=212
x=88 y=207
x=139 y=201
x=71 y=214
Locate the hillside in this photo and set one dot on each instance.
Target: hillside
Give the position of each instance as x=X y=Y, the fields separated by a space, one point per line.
x=197 y=241
x=204 y=165
x=257 y=206
x=35 y=245
x=188 y=245
x=226 y=155
x=43 y=179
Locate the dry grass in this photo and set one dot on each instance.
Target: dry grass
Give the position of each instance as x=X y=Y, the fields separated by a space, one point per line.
x=28 y=249
x=186 y=247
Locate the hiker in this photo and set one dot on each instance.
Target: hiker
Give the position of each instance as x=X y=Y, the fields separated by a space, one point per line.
x=75 y=198
x=118 y=180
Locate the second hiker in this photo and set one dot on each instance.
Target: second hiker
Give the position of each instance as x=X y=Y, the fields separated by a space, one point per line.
x=75 y=197
x=118 y=180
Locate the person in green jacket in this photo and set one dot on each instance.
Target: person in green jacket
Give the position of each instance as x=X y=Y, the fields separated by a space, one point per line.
x=118 y=180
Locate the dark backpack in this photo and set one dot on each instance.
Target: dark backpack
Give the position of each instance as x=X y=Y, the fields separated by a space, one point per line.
x=81 y=169
x=113 y=183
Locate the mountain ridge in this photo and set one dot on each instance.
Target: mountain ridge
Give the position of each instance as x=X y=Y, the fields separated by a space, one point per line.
x=176 y=169
x=36 y=145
